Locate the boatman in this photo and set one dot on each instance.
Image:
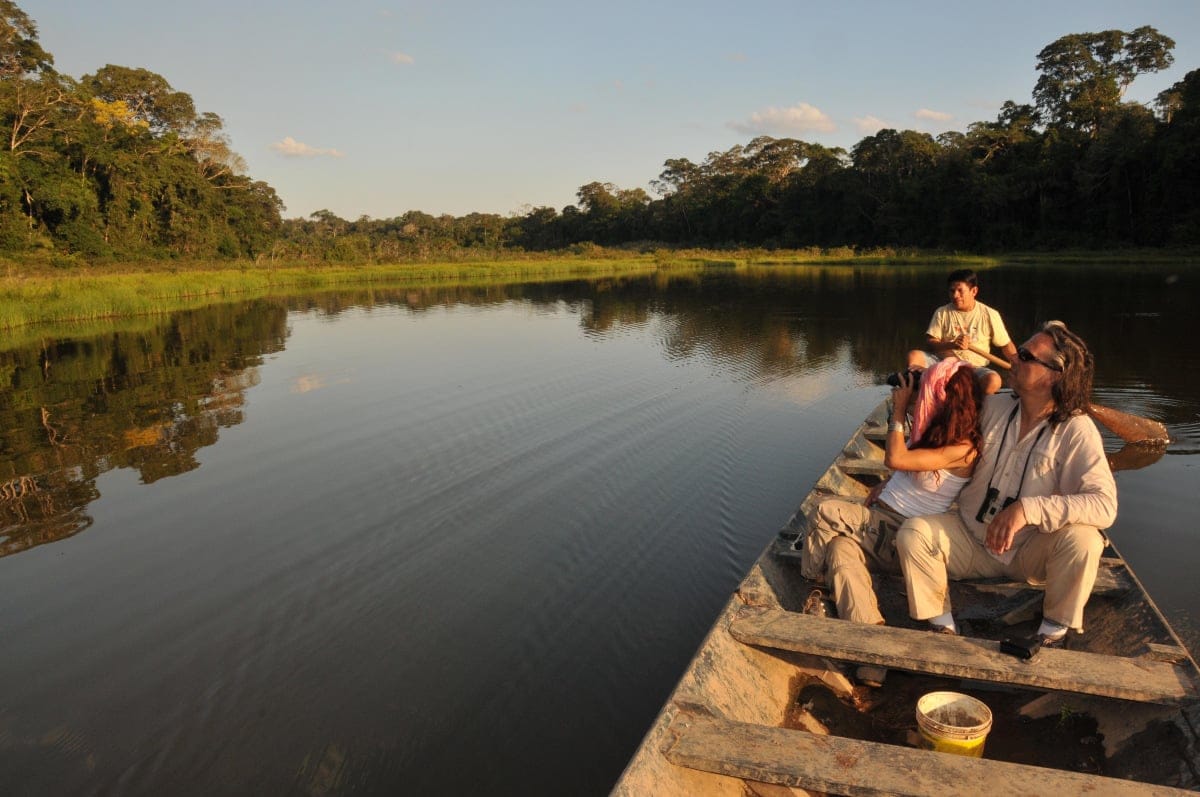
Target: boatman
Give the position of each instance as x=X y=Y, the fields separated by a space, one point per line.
x=1035 y=506
x=962 y=324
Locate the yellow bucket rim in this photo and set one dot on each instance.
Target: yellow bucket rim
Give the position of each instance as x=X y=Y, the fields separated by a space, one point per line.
x=977 y=709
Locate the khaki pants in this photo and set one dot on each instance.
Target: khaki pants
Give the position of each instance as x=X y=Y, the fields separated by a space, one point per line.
x=843 y=543
x=935 y=549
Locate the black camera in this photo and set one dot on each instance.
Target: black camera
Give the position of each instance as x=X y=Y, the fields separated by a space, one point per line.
x=894 y=379
x=988 y=509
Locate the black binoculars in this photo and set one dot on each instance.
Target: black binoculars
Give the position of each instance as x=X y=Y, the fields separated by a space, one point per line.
x=894 y=379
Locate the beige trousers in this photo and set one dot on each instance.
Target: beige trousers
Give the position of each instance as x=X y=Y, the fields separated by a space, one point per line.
x=935 y=549
x=844 y=542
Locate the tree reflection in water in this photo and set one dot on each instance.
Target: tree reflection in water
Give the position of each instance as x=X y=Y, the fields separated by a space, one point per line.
x=148 y=399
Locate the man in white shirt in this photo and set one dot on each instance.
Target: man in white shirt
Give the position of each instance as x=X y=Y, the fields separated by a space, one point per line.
x=962 y=323
x=1040 y=494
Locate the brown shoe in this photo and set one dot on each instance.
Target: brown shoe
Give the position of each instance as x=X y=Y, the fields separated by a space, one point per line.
x=816 y=605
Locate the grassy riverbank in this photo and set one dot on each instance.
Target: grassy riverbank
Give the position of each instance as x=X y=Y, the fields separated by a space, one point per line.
x=51 y=289
x=105 y=292
x=34 y=292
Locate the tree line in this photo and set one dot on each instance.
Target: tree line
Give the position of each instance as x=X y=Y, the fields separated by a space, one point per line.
x=118 y=163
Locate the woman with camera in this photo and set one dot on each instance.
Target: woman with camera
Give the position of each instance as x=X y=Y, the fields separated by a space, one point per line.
x=845 y=540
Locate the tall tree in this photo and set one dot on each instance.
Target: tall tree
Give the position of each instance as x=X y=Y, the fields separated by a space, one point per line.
x=1178 y=161
x=1085 y=75
x=147 y=95
x=20 y=52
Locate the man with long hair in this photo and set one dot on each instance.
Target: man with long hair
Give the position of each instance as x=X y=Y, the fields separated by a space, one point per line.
x=1035 y=506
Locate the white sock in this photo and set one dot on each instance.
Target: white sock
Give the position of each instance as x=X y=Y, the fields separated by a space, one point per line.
x=1051 y=629
x=944 y=621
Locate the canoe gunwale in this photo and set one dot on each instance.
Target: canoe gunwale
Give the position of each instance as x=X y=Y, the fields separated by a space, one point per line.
x=731 y=681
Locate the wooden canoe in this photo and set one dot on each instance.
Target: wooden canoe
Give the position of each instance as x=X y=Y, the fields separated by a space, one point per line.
x=769 y=705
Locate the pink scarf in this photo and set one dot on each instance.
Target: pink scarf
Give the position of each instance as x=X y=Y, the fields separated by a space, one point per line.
x=932 y=394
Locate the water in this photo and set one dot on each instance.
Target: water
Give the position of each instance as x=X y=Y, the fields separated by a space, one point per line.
x=450 y=541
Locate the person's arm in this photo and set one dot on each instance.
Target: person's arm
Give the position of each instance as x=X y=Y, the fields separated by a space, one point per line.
x=1084 y=491
x=935 y=335
x=942 y=348
x=898 y=456
x=873 y=493
x=1000 y=338
x=1087 y=492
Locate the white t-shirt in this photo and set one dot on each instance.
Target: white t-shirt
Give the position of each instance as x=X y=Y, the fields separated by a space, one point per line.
x=981 y=322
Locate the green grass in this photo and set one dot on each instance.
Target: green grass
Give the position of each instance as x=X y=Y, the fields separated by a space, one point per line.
x=814 y=256
x=117 y=293
x=1107 y=257
x=45 y=290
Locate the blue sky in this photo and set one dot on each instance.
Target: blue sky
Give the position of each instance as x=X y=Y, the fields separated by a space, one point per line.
x=377 y=107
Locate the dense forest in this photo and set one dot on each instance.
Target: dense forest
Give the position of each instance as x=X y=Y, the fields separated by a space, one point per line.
x=118 y=164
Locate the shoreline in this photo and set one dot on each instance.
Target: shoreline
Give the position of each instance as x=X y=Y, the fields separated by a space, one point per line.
x=43 y=292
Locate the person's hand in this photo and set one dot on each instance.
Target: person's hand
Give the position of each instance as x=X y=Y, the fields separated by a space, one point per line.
x=1004 y=527
x=873 y=495
x=963 y=342
x=902 y=394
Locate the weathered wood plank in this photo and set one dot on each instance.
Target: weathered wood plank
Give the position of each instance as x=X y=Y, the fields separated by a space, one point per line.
x=864 y=467
x=963 y=657
x=876 y=432
x=1172 y=653
x=836 y=765
x=861 y=447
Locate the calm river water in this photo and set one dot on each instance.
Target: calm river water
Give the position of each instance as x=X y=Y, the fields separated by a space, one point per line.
x=465 y=540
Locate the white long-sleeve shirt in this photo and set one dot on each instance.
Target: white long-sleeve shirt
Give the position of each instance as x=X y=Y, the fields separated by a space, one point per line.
x=1059 y=473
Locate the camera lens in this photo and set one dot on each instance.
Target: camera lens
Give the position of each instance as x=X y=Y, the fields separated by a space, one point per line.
x=895 y=379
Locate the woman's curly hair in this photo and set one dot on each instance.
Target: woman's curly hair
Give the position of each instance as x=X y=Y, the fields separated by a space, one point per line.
x=957 y=420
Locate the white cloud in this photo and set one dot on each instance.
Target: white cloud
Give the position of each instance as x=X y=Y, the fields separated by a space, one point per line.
x=403 y=58
x=800 y=118
x=869 y=125
x=291 y=148
x=933 y=116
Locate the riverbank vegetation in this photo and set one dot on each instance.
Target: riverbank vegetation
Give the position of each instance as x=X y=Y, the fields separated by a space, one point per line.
x=40 y=292
x=117 y=169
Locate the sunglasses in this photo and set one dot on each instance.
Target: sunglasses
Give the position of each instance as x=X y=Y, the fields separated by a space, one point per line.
x=1026 y=356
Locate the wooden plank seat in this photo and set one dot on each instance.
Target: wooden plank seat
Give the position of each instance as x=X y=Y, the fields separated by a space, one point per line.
x=876 y=433
x=1141 y=679
x=837 y=765
x=873 y=468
